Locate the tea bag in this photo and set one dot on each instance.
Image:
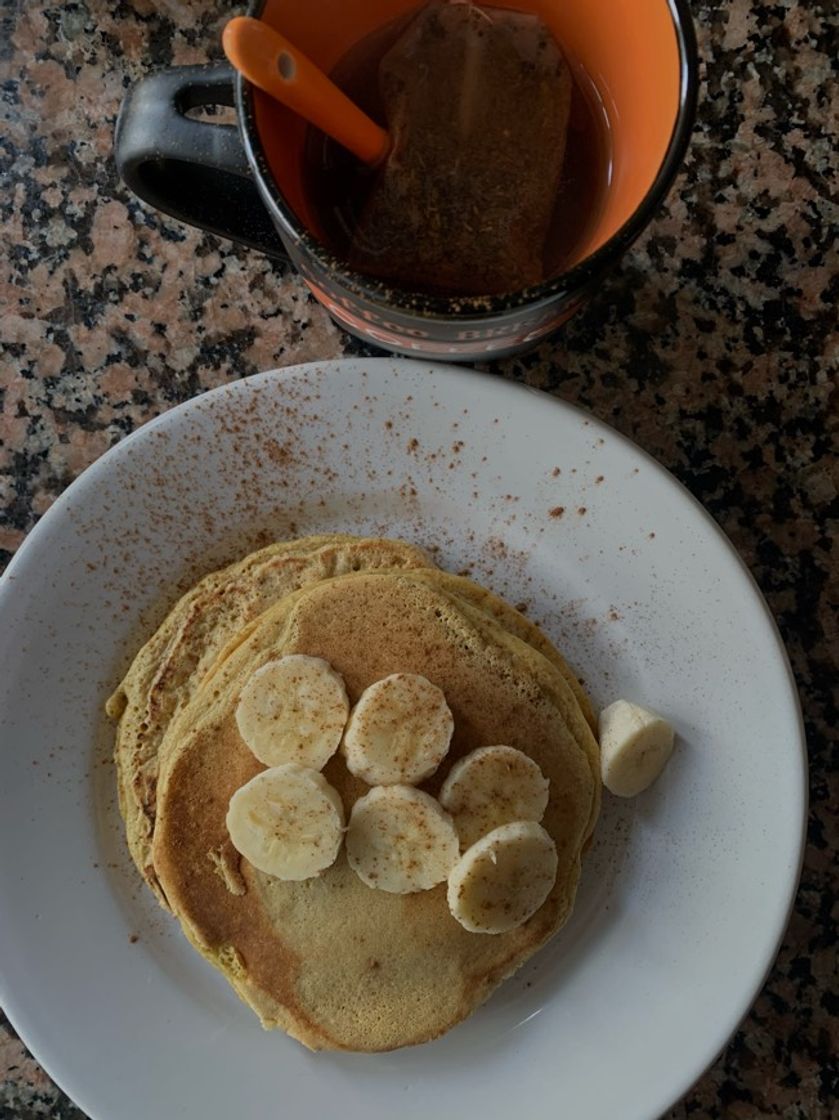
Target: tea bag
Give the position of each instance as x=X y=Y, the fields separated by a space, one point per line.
x=477 y=103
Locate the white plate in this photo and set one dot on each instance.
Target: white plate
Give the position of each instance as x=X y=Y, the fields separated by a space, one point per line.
x=687 y=890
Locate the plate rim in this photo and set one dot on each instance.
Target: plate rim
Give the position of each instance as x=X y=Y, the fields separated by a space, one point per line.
x=15 y=1009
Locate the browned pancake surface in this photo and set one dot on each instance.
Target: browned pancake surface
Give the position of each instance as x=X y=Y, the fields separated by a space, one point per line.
x=337 y=964
x=168 y=670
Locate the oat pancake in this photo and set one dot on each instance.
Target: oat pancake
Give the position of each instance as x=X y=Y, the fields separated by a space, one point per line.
x=516 y=623
x=168 y=669
x=338 y=965
x=526 y=641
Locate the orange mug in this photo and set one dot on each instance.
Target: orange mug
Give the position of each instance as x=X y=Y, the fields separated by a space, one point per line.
x=247 y=182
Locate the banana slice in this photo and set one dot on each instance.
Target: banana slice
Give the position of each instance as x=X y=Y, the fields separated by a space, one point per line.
x=503 y=879
x=399 y=731
x=634 y=747
x=400 y=840
x=490 y=787
x=293 y=710
x=287 y=822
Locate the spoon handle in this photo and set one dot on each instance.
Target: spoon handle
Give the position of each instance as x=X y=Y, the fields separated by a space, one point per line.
x=271 y=62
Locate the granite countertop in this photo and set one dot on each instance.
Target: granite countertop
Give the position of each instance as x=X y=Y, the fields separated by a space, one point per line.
x=714 y=347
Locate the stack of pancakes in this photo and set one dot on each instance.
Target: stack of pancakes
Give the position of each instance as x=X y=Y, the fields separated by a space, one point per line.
x=334 y=963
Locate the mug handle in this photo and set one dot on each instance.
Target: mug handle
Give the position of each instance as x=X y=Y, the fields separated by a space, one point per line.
x=196 y=171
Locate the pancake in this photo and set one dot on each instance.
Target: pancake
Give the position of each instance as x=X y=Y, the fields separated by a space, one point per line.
x=526 y=640
x=516 y=623
x=169 y=668
x=334 y=963
x=556 y=685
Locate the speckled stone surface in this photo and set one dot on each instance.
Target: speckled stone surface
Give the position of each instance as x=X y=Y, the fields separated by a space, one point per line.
x=714 y=347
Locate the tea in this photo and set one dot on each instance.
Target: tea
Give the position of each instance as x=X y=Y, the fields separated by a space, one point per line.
x=478 y=103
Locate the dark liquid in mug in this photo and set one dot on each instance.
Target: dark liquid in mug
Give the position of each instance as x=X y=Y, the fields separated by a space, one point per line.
x=338 y=184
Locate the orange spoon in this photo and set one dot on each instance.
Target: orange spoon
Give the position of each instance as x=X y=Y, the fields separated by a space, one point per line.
x=269 y=61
